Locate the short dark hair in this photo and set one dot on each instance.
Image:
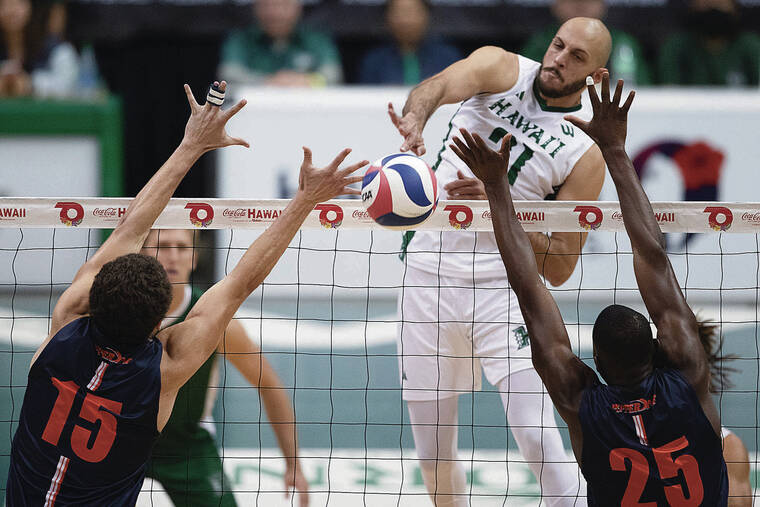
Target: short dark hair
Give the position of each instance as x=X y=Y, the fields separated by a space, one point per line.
x=623 y=334
x=128 y=298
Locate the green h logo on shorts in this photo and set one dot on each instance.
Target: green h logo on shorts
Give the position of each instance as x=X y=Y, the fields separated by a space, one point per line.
x=521 y=337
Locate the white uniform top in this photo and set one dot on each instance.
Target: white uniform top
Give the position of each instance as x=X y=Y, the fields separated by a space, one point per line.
x=545 y=149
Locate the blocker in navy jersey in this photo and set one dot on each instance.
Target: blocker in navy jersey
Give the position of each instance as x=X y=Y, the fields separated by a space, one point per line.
x=87 y=424
x=652 y=445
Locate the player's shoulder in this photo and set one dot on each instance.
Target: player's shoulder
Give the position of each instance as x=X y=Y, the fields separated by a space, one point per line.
x=494 y=58
x=498 y=69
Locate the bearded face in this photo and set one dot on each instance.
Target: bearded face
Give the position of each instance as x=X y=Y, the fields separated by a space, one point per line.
x=553 y=85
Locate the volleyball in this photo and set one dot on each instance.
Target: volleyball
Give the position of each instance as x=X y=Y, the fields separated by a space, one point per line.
x=399 y=191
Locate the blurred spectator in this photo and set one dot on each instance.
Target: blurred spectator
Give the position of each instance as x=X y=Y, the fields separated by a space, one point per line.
x=32 y=60
x=279 y=51
x=712 y=50
x=412 y=55
x=626 y=59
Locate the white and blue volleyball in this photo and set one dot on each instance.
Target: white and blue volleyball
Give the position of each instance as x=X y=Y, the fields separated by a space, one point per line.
x=399 y=191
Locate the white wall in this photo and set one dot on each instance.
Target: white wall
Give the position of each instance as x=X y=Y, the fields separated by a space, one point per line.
x=278 y=122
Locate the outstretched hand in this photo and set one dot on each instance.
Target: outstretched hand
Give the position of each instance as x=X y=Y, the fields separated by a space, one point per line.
x=295 y=482
x=410 y=128
x=608 y=127
x=488 y=165
x=205 y=130
x=318 y=185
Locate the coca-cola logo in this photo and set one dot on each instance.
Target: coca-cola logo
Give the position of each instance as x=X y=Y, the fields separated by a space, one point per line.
x=720 y=218
x=752 y=218
x=617 y=216
x=201 y=214
x=330 y=215
x=361 y=215
x=234 y=212
x=460 y=216
x=486 y=214
x=72 y=213
x=109 y=212
x=589 y=217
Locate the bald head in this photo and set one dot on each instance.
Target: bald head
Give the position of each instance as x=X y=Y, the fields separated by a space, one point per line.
x=591 y=34
x=580 y=49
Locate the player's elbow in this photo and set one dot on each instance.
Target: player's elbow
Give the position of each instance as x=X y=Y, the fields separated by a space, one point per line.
x=558 y=273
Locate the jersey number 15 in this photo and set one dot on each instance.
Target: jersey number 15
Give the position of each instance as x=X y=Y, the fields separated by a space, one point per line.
x=94 y=409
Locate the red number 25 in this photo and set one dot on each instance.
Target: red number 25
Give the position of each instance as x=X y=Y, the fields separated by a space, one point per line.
x=94 y=408
x=669 y=468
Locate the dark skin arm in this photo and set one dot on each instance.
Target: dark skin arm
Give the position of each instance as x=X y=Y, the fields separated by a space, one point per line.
x=562 y=372
x=676 y=324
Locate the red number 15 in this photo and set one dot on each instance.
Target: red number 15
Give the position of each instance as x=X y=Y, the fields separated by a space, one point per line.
x=94 y=408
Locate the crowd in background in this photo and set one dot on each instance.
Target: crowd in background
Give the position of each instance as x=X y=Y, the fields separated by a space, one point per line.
x=280 y=50
x=709 y=47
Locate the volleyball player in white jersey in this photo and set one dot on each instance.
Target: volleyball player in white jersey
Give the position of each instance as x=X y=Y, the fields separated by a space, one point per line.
x=457 y=314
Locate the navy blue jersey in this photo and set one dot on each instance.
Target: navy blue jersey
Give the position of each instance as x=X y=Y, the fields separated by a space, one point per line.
x=87 y=424
x=651 y=445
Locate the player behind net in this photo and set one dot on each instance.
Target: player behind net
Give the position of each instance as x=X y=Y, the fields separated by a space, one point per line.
x=102 y=385
x=185 y=458
x=475 y=324
x=652 y=434
x=734 y=451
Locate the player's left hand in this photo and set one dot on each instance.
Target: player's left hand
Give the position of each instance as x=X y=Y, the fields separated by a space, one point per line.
x=465 y=188
x=297 y=483
x=488 y=165
x=205 y=130
x=608 y=127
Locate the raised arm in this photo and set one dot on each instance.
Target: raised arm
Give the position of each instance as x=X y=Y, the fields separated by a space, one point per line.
x=487 y=70
x=564 y=375
x=205 y=131
x=190 y=343
x=676 y=325
x=247 y=358
x=556 y=256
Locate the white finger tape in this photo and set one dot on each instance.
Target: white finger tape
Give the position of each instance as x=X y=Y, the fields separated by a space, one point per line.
x=215 y=96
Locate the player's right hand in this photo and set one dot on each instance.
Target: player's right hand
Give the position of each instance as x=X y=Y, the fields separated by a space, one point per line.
x=295 y=482
x=410 y=128
x=608 y=126
x=322 y=184
x=205 y=130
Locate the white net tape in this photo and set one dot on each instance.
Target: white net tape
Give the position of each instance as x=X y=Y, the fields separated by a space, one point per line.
x=536 y=216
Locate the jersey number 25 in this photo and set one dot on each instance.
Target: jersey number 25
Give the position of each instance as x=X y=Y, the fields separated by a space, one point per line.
x=669 y=469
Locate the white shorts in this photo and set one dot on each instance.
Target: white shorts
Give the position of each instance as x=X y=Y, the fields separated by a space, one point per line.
x=449 y=328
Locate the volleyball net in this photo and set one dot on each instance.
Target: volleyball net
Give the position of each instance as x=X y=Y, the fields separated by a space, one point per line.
x=326 y=319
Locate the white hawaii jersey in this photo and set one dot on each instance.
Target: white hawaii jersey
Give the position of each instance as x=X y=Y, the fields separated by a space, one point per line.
x=545 y=148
